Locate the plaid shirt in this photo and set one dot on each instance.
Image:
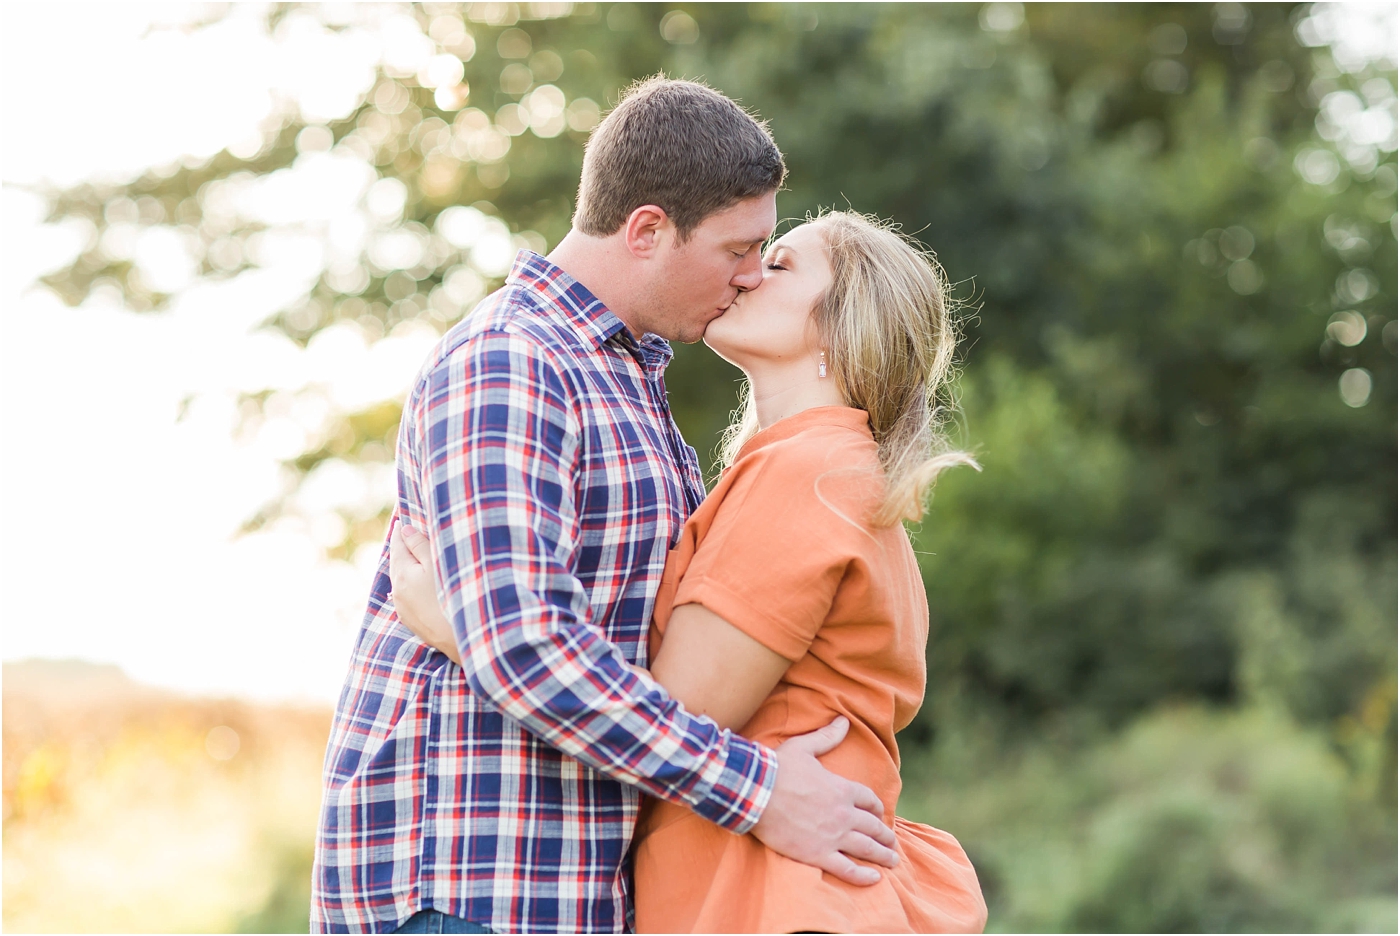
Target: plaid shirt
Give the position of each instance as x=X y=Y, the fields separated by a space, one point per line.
x=538 y=452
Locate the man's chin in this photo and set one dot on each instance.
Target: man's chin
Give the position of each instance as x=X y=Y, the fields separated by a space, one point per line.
x=698 y=331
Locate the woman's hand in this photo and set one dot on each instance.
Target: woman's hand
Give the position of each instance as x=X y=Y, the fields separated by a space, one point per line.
x=415 y=590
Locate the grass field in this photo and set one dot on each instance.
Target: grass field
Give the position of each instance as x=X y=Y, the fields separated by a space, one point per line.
x=132 y=810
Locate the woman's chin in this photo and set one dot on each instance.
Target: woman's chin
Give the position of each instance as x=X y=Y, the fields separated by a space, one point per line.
x=715 y=340
x=734 y=338
x=717 y=348
x=714 y=333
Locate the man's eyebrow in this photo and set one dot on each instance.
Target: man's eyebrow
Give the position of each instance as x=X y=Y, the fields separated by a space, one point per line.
x=746 y=244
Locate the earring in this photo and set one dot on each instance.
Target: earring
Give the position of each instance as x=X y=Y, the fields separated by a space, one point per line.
x=821 y=366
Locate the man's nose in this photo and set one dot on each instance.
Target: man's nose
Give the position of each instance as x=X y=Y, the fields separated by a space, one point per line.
x=749 y=274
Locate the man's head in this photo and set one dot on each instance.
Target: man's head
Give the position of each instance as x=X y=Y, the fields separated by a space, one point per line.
x=685 y=180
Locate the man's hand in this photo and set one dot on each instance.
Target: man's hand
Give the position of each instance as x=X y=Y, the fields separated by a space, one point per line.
x=415 y=590
x=820 y=819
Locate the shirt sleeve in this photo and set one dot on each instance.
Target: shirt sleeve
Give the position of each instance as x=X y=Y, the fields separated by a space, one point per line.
x=499 y=446
x=778 y=548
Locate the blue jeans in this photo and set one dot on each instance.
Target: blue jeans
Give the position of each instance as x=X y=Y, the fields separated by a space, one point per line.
x=433 y=921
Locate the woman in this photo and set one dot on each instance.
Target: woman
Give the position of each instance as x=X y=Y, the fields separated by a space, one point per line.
x=793 y=595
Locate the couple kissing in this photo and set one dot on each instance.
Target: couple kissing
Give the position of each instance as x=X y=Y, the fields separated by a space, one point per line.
x=586 y=695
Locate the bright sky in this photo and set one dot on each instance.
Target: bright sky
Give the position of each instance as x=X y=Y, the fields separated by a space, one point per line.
x=121 y=520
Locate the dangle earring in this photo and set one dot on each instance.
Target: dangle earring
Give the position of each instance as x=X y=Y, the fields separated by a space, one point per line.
x=821 y=367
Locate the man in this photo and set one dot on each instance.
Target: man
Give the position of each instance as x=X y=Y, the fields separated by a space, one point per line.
x=538 y=452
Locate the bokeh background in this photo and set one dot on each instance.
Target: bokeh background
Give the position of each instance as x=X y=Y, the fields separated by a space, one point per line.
x=1162 y=688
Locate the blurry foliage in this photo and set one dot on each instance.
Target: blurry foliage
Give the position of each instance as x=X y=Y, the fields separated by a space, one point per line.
x=1179 y=374
x=1190 y=821
x=287 y=909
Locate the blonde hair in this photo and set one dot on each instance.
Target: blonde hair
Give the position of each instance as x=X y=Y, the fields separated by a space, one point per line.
x=889 y=336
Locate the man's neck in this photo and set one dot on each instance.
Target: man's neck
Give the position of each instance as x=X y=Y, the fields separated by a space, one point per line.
x=600 y=264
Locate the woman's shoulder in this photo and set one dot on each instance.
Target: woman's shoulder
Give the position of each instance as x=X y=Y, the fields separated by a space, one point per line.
x=816 y=436
x=822 y=449
x=831 y=465
x=812 y=450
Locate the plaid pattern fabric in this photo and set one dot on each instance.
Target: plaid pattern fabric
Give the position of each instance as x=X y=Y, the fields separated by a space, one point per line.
x=538 y=452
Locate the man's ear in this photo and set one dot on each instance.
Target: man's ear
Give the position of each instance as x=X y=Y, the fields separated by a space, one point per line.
x=647 y=228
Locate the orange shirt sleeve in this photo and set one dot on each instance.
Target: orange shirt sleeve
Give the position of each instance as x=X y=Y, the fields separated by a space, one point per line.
x=776 y=551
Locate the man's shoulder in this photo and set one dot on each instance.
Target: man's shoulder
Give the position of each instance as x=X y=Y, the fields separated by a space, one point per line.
x=512 y=317
x=513 y=320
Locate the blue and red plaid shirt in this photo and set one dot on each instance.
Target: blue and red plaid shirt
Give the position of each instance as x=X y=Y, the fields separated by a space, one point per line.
x=538 y=452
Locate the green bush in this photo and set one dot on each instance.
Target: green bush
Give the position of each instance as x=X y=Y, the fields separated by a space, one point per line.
x=1189 y=820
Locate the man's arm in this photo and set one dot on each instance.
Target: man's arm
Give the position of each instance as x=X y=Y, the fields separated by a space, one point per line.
x=801 y=820
x=498 y=449
x=498 y=443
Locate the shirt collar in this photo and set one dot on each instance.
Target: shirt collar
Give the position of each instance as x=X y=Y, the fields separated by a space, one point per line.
x=567 y=296
x=584 y=311
x=653 y=351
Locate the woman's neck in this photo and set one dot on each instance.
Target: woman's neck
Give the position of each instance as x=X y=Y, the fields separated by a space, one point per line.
x=778 y=395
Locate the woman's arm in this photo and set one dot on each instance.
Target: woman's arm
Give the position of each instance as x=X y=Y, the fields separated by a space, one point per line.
x=705 y=663
x=713 y=668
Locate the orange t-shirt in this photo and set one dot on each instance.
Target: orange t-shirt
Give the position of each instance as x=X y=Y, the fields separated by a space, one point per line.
x=781 y=549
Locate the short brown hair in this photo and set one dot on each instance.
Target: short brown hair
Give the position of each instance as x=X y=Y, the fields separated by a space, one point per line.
x=680 y=146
